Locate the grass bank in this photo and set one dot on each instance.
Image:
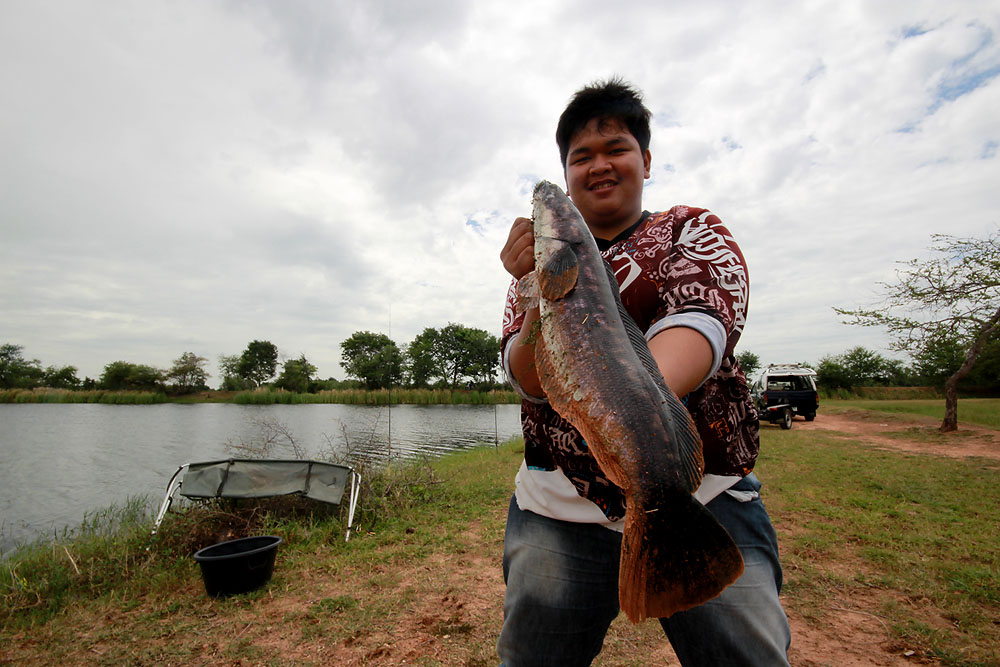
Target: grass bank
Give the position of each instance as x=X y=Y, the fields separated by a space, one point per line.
x=380 y=397
x=266 y=396
x=904 y=539
x=979 y=411
x=81 y=396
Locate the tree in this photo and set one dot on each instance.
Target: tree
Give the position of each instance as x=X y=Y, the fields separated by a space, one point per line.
x=16 y=372
x=454 y=354
x=126 y=376
x=229 y=369
x=939 y=358
x=422 y=357
x=188 y=373
x=61 y=378
x=296 y=374
x=860 y=367
x=372 y=358
x=749 y=362
x=483 y=355
x=259 y=362
x=954 y=295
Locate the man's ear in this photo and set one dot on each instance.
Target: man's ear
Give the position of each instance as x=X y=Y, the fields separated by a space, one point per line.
x=647 y=161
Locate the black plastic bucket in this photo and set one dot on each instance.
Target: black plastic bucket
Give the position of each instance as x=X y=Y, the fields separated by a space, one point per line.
x=237 y=566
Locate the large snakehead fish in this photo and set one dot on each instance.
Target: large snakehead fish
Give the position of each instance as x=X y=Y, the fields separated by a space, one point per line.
x=597 y=372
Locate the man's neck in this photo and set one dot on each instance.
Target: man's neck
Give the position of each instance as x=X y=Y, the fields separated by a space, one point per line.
x=603 y=244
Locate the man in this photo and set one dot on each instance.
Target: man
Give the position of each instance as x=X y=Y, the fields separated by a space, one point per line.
x=684 y=282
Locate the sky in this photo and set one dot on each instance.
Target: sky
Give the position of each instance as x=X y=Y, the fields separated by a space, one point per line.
x=191 y=175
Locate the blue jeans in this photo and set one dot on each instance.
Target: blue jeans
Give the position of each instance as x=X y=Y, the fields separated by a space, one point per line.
x=562 y=593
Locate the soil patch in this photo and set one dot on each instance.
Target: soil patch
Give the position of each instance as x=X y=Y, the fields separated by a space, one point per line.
x=908 y=433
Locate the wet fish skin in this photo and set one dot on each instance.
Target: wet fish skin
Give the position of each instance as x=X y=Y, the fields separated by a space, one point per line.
x=596 y=369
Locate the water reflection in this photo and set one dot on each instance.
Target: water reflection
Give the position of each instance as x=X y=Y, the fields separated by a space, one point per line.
x=58 y=462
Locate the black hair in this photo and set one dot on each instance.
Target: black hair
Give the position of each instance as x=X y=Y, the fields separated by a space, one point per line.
x=611 y=100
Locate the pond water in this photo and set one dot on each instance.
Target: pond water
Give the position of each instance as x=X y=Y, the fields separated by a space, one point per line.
x=59 y=462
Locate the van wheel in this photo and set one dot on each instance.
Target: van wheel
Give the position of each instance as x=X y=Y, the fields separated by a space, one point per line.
x=810 y=416
x=786 y=419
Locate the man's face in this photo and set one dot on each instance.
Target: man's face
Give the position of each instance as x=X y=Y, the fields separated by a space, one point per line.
x=605 y=168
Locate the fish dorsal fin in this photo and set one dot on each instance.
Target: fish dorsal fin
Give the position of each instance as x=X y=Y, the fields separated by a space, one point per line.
x=558 y=275
x=688 y=441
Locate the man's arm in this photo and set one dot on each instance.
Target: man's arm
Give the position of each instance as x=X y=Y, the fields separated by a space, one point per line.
x=518 y=257
x=684 y=356
x=521 y=358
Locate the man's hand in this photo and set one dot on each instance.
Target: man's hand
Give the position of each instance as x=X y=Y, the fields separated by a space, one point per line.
x=518 y=255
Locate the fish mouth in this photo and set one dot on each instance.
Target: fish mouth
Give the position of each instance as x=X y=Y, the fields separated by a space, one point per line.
x=546 y=237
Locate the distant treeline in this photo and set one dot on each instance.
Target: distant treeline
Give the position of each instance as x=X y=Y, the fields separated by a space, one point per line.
x=862 y=373
x=452 y=357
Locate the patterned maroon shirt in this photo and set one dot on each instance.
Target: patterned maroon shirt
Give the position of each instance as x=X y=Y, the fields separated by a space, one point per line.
x=678 y=262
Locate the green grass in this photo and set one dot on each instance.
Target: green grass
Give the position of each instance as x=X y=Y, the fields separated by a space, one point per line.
x=979 y=411
x=267 y=396
x=81 y=396
x=379 y=397
x=920 y=530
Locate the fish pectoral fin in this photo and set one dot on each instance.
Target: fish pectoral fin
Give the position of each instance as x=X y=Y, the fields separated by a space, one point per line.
x=558 y=276
x=527 y=292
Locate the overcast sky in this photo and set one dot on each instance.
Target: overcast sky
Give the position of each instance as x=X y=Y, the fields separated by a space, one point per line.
x=189 y=175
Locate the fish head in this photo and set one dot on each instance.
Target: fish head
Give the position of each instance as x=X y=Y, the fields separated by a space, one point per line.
x=559 y=232
x=555 y=217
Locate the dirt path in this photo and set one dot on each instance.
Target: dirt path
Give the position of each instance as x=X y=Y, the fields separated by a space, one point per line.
x=909 y=433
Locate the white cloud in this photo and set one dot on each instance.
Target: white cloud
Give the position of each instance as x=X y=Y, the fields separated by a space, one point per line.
x=184 y=176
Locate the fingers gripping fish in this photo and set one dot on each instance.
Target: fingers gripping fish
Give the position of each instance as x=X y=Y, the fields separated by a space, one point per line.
x=596 y=369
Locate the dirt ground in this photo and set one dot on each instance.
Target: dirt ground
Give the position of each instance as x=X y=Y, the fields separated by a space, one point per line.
x=921 y=434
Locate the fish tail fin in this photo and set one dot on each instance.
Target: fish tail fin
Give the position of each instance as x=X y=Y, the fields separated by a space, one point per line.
x=693 y=565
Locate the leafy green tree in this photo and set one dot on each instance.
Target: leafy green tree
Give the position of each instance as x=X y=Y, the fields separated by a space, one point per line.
x=126 y=376
x=296 y=374
x=865 y=367
x=229 y=369
x=372 y=358
x=986 y=373
x=749 y=362
x=16 y=372
x=452 y=355
x=830 y=373
x=422 y=358
x=483 y=361
x=61 y=378
x=940 y=357
x=188 y=373
x=955 y=294
x=467 y=353
x=116 y=375
x=860 y=367
x=259 y=362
